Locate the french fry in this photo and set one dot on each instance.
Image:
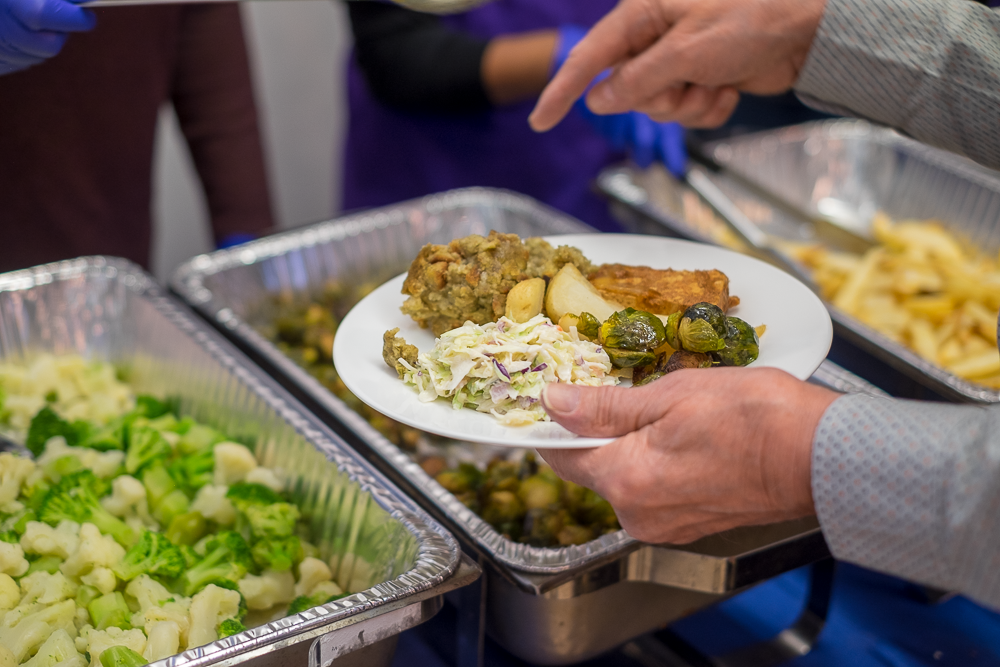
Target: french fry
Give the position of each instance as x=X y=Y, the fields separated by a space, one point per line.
x=984 y=363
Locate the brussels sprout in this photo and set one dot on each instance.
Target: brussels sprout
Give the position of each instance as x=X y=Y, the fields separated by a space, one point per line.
x=588 y=325
x=742 y=345
x=710 y=313
x=466 y=478
x=670 y=329
x=698 y=336
x=654 y=371
x=574 y=534
x=502 y=476
x=684 y=359
x=629 y=358
x=632 y=329
x=542 y=526
x=501 y=507
x=537 y=492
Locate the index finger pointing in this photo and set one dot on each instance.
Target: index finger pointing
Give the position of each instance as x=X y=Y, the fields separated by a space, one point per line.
x=625 y=30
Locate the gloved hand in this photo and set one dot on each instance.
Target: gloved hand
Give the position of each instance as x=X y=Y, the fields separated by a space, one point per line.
x=645 y=139
x=34 y=30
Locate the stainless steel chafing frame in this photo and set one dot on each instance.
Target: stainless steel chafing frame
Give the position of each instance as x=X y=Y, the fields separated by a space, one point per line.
x=407 y=600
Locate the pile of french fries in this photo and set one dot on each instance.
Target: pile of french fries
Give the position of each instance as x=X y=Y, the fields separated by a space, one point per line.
x=922 y=287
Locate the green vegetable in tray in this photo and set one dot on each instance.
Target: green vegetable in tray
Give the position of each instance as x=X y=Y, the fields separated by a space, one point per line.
x=227 y=559
x=76 y=498
x=154 y=555
x=121 y=656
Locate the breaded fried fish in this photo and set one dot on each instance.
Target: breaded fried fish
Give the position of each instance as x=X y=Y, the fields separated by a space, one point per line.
x=662 y=291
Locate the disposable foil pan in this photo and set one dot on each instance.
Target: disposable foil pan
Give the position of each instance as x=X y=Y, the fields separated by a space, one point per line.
x=846 y=170
x=375 y=539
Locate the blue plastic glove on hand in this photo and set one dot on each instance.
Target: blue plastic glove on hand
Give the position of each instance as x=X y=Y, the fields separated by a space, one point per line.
x=33 y=30
x=645 y=139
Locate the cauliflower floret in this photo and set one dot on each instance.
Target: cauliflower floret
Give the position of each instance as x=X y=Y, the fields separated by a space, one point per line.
x=269 y=478
x=157 y=604
x=209 y=607
x=101 y=578
x=164 y=640
x=12 y=559
x=41 y=538
x=45 y=588
x=128 y=499
x=269 y=589
x=58 y=649
x=326 y=589
x=7 y=658
x=10 y=594
x=13 y=471
x=26 y=627
x=311 y=572
x=233 y=462
x=103 y=464
x=211 y=501
x=95 y=550
x=101 y=640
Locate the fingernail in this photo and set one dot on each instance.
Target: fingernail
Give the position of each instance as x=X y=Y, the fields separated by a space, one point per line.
x=561 y=398
x=602 y=99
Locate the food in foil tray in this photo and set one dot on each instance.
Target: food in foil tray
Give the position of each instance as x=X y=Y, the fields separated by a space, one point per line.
x=555 y=513
x=503 y=333
x=923 y=287
x=131 y=533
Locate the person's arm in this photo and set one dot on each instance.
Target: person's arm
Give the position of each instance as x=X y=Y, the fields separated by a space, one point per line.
x=910 y=488
x=213 y=96
x=913 y=489
x=927 y=67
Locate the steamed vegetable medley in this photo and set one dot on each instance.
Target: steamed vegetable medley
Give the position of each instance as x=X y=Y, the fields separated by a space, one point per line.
x=135 y=534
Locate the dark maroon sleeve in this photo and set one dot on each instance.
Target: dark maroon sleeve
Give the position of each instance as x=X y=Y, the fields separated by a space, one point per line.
x=213 y=95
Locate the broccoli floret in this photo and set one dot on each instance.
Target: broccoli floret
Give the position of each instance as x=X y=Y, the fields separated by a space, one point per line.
x=145 y=445
x=110 y=610
x=151 y=407
x=245 y=494
x=279 y=553
x=230 y=627
x=269 y=521
x=153 y=554
x=193 y=471
x=107 y=438
x=227 y=556
x=10 y=536
x=75 y=498
x=304 y=602
x=34 y=495
x=48 y=564
x=190 y=556
x=158 y=483
x=121 y=656
x=47 y=424
x=18 y=521
x=173 y=504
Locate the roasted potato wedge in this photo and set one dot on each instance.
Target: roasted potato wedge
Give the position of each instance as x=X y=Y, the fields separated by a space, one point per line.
x=571 y=293
x=525 y=299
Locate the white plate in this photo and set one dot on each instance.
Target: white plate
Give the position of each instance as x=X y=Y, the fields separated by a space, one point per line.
x=797 y=340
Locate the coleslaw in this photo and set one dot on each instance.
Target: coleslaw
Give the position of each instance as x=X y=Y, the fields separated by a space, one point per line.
x=501 y=367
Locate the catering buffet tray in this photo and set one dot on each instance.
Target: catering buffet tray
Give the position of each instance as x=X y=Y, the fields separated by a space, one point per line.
x=376 y=540
x=554 y=605
x=842 y=169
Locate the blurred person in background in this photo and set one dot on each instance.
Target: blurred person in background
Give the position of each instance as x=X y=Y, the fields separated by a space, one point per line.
x=442 y=102
x=78 y=128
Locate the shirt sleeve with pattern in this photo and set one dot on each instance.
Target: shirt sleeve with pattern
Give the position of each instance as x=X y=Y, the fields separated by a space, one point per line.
x=913 y=489
x=929 y=68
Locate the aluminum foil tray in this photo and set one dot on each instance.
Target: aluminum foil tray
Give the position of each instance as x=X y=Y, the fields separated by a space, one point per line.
x=234 y=288
x=846 y=170
x=376 y=540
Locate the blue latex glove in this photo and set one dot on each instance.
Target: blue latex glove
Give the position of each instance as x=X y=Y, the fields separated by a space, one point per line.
x=634 y=132
x=234 y=239
x=34 y=30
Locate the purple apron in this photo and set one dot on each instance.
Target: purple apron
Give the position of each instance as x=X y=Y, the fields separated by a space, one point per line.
x=391 y=155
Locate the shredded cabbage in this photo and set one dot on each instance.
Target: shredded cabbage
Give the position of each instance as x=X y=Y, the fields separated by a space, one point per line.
x=502 y=367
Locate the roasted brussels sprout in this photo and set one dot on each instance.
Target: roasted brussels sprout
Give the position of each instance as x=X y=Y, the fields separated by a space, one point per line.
x=670 y=330
x=632 y=329
x=502 y=507
x=742 y=345
x=466 y=477
x=708 y=312
x=588 y=325
x=629 y=358
x=684 y=359
x=537 y=492
x=698 y=336
x=654 y=371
